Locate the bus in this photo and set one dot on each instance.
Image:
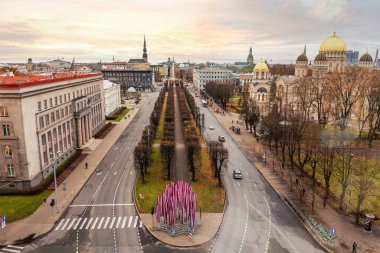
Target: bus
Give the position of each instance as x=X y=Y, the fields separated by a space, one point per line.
x=204 y=103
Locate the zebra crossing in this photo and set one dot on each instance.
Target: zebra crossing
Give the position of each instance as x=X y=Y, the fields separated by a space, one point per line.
x=94 y=223
x=11 y=249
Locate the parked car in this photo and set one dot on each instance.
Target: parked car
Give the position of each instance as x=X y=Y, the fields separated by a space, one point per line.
x=221 y=138
x=237 y=174
x=211 y=127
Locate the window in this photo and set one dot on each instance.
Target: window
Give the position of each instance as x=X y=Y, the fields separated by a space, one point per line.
x=10 y=170
x=41 y=119
x=64 y=98
x=4 y=111
x=60 y=99
x=39 y=106
x=52 y=117
x=8 y=150
x=57 y=114
x=45 y=104
x=69 y=96
x=51 y=102
x=6 y=130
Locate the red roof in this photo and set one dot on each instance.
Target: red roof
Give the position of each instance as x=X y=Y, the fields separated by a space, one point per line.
x=17 y=82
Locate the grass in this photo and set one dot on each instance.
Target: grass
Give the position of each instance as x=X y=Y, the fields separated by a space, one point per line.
x=160 y=127
x=126 y=110
x=19 y=207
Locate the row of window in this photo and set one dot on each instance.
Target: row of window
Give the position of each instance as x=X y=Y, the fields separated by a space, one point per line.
x=58 y=100
x=128 y=74
x=52 y=117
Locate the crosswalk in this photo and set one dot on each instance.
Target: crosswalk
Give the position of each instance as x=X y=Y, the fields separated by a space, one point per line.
x=120 y=222
x=11 y=249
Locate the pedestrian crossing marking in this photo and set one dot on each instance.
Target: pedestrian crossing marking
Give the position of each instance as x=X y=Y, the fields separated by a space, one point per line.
x=11 y=249
x=115 y=222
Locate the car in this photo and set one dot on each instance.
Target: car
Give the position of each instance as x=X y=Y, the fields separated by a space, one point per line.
x=211 y=127
x=237 y=174
x=221 y=138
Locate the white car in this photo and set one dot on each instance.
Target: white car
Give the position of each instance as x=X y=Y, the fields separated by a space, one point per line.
x=237 y=174
x=211 y=127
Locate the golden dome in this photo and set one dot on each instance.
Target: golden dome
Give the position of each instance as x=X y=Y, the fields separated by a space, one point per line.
x=261 y=66
x=333 y=44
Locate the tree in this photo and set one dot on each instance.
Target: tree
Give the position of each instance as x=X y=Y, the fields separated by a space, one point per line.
x=222 y=159
x=220 y=91
x=253 y=116
x=345 y=156
x=192 y=148
x=274 y=128
x=141 y=158
x=213 y=147
x=306 y=146
x=167 y=154
x=366 y=172
x=326 y=168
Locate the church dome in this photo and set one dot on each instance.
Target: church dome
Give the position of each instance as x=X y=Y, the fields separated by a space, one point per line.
x=333 y=44
x=261 y=66
x=302 y=57
x=320 y=57
x=366 y=58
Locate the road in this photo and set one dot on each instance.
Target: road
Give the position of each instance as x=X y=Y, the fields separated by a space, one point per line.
x=256 y=219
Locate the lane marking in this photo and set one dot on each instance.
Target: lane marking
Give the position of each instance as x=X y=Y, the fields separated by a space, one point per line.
x=15 y=247
x=60 y=223
x=105 y=224
x=124 y=221
x=89 y=223
x=130 y=221
x=136 y=219
x=11 y=250
x=71 y=224
x=94 y=224
x=84 y=222
x=113 y=220
x=63 y=228
x=76 y=225
x=270 y=225
x=100 y=223
x=102 y=205
x=118 y=222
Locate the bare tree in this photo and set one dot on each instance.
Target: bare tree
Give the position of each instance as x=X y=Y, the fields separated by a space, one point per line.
x=344 y=159
x=213 y=147
x=326 y=168
x=141 y=158
x=222 y=159
x=192 y=148
x=167 y=154
x=366 y=172
x=220 y=91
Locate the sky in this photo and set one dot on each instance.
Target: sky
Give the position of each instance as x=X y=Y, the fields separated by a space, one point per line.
x=189 y=30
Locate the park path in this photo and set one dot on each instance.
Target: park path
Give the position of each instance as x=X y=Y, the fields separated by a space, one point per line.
x=180 y=165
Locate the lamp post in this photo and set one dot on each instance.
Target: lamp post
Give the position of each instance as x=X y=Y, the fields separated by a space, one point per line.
x=55 y=181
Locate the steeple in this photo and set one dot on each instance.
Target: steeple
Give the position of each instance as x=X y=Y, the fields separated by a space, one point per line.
x=145 y=54
x=304 y=50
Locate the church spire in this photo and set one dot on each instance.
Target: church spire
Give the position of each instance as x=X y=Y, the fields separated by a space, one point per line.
x=304 y=50
x=145 y=54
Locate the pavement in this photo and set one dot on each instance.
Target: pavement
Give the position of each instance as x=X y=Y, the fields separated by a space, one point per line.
x=45 y=217
x=347 y=232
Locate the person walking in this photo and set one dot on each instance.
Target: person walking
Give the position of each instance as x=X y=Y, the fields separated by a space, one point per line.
x=86 y=165
x=354 y=246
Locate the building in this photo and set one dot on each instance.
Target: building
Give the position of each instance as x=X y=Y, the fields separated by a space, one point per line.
x=250 y=59
x=140 y=79
x=59 y=65
x=257 y=85
x=144 y=58
x=352 y=57
x=43 y=120
x=366 y=61
x=112 y=99
x=210 y=74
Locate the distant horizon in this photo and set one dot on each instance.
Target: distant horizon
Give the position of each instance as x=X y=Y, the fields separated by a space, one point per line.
x=199 y=31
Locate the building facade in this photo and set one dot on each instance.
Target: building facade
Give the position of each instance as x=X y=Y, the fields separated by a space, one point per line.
x=202 y=76
x=43 y=122
x=112 y=98
x=140 y=79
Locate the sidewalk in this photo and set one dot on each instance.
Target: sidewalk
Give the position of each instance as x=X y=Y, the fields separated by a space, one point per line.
x=43 y=219
x=347 y=233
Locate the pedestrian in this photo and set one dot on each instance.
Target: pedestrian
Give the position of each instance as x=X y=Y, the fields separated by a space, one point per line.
x=237 y=122
x=303 y=192
x=354 y=246
x=44 y=202
x=86 y=165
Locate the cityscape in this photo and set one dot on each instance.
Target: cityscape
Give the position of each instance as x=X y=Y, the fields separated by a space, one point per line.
x=234 y=127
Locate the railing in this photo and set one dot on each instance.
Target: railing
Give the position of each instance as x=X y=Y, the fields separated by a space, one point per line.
x=178 y=229
x=324 y=234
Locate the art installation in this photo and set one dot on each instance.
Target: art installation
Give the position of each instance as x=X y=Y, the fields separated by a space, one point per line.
x=176 y=209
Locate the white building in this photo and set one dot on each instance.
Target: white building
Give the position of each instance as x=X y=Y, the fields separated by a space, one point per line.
x=112 y=100
x=43 y=120
x=203 y=76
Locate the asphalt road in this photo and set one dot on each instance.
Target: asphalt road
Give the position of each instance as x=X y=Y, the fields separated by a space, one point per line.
x=256 y=219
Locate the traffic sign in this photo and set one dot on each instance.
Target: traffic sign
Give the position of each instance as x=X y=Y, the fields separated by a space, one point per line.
x=333 y=231
x=4 y=218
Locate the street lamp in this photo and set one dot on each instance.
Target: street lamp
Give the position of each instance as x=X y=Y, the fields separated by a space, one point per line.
x=55 y=180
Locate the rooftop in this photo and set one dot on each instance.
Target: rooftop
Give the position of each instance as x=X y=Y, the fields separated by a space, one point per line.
x=16 y=82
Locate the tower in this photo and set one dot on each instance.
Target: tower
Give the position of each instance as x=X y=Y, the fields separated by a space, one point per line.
x=145 y=54
x=250 y=57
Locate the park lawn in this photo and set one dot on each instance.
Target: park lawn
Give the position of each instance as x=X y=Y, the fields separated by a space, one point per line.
x=160 y=127
x=19 y=207
x=210 y=197
x=154 y=185
x=126 y=110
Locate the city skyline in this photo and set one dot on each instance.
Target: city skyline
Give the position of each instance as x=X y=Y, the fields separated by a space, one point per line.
x=196 y=31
